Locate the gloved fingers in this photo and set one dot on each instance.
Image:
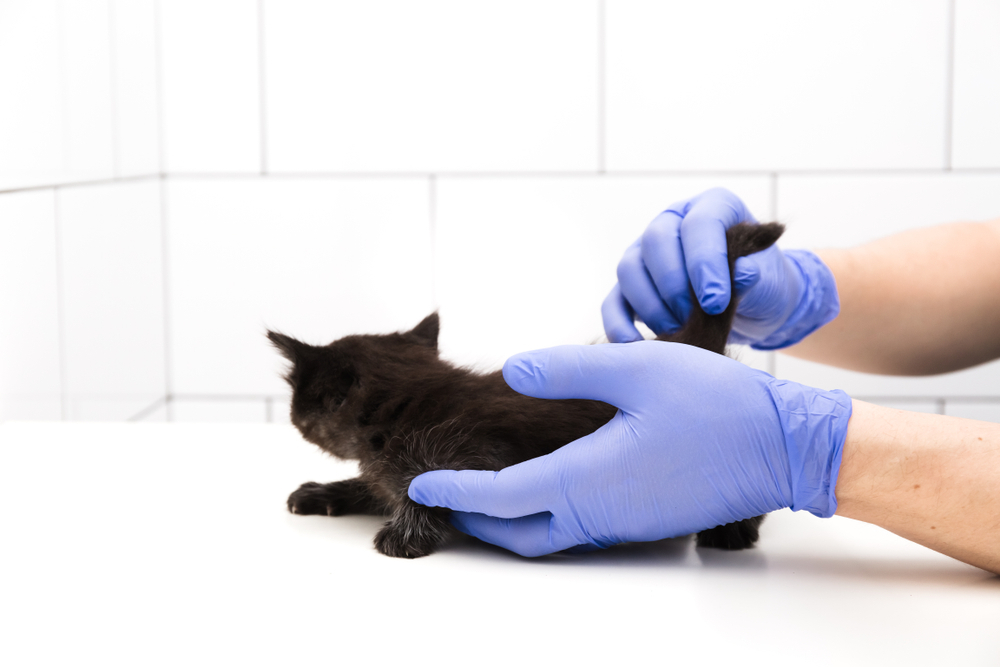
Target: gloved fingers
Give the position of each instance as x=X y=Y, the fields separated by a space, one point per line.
x=664 y=260
x=640 y=292
x=619 y=318
x=746 y=274
x=771 y=300
x=703 y=237
x=516 y=491
x=759 y=308
x=528 y=536
x=611 y=373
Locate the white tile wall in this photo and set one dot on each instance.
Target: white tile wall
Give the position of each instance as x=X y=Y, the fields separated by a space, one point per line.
x=79 y=82
x=524 y=263
x=848 y=209
x=315 y=258
x=112 y=276
x=813 y=102
x=32 y=112
x=431 y=86
x=211 y=100
x=776 y=84
x=107 y=408
x=763 y=361
x=976 y=140
x=137 y=139
x=88 y=120
x=279 y=409
x=30 y=381
x=210 y=409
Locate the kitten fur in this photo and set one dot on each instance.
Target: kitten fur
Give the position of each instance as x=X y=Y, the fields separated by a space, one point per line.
x=391 y=403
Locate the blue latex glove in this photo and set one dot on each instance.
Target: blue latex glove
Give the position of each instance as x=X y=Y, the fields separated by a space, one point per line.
x=785 y=295
x=699 y=440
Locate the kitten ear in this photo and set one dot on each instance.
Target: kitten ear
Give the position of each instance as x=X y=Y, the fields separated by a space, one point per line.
x=426 y=333
x=290 y=348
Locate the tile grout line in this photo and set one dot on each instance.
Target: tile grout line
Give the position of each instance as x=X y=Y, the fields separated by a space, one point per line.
x=949 y=87
x=63 y=86
x=949 y=103
x=148 y=410
x=165 y=258
x=158 y=48
x=432 y=216
x=625 y=173
x=772 y=357
x=60 y=308
x=77 y=184
x=774 y=197
x=601 y=89
x=161 y=163
x=246 y=398
x=262 y=92
x=207 y=176
x=113 y=74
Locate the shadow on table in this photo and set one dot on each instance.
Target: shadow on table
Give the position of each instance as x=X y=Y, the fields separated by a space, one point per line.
x=675 y=552
x=681 y=553
x=930 y=572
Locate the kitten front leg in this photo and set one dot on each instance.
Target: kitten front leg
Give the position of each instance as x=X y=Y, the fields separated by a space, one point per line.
x=414 y=531
x=350 y=496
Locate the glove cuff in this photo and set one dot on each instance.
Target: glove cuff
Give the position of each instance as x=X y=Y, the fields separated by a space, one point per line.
x=820 y=302
x=814 y=423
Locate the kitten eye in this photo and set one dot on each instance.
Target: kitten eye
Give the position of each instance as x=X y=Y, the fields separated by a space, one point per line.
x=335 y=403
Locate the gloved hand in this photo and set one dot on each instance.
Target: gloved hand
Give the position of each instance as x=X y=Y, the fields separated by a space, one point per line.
x=699 y=440
x=785 y=295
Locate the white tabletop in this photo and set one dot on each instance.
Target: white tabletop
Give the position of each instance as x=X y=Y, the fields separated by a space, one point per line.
x=148 y=544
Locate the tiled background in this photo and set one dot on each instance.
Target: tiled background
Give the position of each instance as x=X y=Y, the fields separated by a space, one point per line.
x=177 y=175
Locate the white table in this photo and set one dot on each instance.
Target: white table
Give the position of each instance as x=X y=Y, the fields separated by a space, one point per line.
x=148 y=544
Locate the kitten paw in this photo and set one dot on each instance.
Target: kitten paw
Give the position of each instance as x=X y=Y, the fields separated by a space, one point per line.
x=314 y=498
x=400 y=543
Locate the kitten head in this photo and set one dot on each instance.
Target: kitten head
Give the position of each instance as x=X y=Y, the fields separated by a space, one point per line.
x=343 y=392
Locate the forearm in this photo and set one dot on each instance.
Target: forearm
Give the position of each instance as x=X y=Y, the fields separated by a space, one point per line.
x=932 y=479
x=917 y=303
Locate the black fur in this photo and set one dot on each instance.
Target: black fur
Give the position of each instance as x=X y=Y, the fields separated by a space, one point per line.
x=391 y=403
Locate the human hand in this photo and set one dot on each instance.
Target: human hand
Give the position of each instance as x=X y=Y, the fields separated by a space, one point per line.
x=699 y=441
x=783 y=296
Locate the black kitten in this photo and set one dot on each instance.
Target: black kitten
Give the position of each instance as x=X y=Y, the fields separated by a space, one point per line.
x=391 y=403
